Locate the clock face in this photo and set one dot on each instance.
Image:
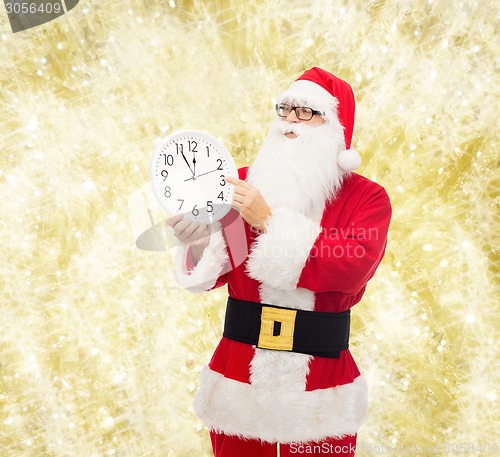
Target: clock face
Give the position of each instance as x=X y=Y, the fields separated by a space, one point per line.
x=187 y=173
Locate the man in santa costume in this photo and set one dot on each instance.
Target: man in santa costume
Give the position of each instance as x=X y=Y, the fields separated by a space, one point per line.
x=282 y=380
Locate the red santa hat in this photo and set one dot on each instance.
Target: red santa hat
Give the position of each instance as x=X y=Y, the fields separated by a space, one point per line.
x=324 y=92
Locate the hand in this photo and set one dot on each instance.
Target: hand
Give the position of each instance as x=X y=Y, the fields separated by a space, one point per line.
x=249 y=202
x=191 y=233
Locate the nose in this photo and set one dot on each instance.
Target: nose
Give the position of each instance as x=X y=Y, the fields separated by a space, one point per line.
x=292 y=117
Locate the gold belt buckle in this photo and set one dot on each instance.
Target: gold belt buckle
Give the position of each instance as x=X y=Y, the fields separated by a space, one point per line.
x=283 y=341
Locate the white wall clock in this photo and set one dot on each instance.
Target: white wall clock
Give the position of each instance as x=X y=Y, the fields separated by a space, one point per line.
x=187 y=174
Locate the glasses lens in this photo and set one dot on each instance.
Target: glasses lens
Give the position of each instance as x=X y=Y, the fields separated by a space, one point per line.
x=304 y=113
x=282 y=109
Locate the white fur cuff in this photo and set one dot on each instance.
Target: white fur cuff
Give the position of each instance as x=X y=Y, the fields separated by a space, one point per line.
x=204 y=275
x=280 y=414
x=279 y=255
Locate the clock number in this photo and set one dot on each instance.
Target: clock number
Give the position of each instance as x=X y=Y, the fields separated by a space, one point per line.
x=193 y=149
x=169 y=159
x=179 y=147
x=220 y=164
x=221 y=196
x=168 y=192
x=182 y=202
x=208 y=151
x=210 y=208
x=223 y=182
x=164 y=173
x=195 y=211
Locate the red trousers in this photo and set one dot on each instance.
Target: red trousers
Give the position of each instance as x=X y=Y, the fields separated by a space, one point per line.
x=232 y=446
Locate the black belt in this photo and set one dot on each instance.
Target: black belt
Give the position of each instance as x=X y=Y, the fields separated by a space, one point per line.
x=287 y=329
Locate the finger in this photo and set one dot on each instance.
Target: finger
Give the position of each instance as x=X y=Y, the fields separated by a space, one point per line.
x=190 y=229
x=199 y=233
x=241 y=186
x=239 y=198
x=182 y=224
x=238 y=205
x=174 y=219
x=237 y=182
x=232 y=180
x=243 y=192
x=181 y=229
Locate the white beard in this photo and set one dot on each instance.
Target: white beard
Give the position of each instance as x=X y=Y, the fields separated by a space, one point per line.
x=299 y=173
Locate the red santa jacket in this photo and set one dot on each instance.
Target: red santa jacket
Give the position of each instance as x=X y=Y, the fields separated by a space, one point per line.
x=279 y=396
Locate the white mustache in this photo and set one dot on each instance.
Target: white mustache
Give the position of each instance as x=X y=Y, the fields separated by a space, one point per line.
x=298 y=129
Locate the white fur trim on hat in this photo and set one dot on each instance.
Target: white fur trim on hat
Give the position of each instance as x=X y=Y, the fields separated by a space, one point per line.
x=310 y=94
x=349 y=160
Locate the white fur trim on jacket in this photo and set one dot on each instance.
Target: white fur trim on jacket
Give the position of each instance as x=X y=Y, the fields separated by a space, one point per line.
x=280 y=414
x=280 y=253
x=204 y=275
x=276 y=369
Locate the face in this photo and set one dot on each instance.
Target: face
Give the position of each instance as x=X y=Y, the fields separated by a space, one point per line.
x=292 y=118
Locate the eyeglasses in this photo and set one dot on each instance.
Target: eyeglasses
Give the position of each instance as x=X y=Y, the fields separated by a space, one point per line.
x=303 y=113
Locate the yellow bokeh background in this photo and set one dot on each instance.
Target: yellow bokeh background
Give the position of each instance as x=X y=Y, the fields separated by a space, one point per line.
x=100 y=351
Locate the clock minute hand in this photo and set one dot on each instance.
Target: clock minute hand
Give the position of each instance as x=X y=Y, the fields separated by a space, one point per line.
x=187 y=163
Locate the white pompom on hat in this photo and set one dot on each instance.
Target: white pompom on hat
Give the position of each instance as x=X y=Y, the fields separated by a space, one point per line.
x=325 y=92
